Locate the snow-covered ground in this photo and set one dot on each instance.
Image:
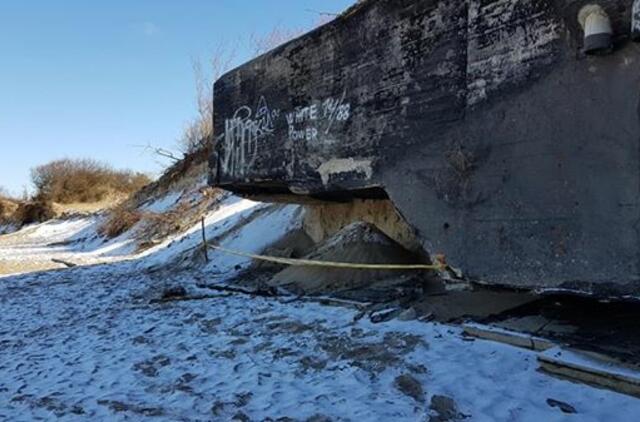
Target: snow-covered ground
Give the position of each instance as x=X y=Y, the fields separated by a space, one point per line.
x=236 y=223
x=87 y=344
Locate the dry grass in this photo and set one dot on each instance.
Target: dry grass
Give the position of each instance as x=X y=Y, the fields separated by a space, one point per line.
x=109 y=202
x=7 y=208
x=120 y=220
x=183 y=174
x=73 y=186
x=20 y=213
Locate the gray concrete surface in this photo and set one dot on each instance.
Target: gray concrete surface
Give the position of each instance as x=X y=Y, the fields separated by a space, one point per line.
x=506 y=147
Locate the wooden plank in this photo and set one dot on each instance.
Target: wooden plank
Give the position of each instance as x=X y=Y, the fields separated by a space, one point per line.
x=591 y=368
x=513 y=338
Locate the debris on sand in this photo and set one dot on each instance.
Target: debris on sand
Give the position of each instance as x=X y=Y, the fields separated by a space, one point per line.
x=410 y=386
x=358 y=243
x=445 y=410
x=564 y=407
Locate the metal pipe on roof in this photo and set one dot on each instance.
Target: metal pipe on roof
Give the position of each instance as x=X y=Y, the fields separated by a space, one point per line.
x=597 y=30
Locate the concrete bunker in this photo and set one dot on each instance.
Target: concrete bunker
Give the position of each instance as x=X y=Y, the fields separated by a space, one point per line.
x=502 y=143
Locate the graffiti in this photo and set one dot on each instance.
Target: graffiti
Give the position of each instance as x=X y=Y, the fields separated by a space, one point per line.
x=248 y=127
x=302 y=114
x=242 y=135
x=306 y=123
x=308 y=134
x=336 y=110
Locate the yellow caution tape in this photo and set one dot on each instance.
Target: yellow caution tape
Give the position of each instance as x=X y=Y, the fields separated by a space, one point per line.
x=439 y=266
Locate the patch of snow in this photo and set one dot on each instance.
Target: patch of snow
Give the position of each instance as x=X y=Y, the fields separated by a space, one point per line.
x=58 y=231
x=164 y=203
x=86 y=344
x=91 y=347
x=232 y=225
x=7 y=228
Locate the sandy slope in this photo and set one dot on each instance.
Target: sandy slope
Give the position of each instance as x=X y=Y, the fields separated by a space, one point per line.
x=86 y=344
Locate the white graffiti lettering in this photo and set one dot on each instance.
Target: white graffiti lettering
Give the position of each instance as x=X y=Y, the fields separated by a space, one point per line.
x=303 y=114
x=243 y=133
x=306 y=123
x=247 y=128
x=308 y=134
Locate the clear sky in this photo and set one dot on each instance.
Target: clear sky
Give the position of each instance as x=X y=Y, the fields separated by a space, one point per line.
x=93 y=79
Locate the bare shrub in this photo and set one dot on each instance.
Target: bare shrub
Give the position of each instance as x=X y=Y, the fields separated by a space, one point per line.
x=198 y=132
x=4 y=212
x=152 y=225
x=262 y=43
x=83 y=180
x=120 y=220
x=35 y=211
x=4 y=205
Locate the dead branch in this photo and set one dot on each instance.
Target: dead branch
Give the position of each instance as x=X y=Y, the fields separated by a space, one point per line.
x=267 y=292
x=317 y=12
x=187 y=298
x=66 y=263
x=166 y=153
x=162 y=152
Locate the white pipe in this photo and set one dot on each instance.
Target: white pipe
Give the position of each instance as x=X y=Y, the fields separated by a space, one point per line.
x=597 y=29
x=635 y=21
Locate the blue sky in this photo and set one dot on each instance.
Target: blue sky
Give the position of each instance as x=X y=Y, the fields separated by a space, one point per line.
x=95 y=79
